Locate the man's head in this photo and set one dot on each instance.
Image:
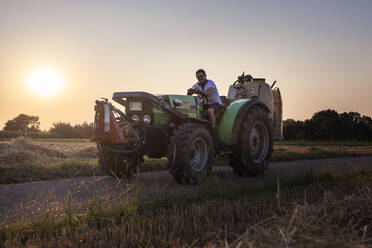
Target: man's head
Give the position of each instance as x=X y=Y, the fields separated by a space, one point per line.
x=201 y=75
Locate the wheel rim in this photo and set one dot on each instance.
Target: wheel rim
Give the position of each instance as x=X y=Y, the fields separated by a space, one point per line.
x=198 y=154
x=259 y=142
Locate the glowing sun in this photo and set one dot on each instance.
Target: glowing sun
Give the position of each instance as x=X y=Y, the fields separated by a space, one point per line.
x=45 y=81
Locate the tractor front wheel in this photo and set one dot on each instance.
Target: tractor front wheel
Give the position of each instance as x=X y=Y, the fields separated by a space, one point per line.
x=116 y=164
x=190 y=153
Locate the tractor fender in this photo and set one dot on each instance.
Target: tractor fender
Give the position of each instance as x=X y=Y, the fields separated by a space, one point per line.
x=228 y=128
x=199 y=121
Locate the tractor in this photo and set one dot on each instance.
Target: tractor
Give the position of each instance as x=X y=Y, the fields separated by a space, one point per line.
x=177 y=127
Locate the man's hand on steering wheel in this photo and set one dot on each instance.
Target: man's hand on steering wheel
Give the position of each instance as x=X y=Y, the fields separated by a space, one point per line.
x=192 y=91
x=203 y=97
x=201 y=94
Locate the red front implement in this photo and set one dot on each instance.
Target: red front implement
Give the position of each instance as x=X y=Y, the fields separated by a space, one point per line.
x=106 y=129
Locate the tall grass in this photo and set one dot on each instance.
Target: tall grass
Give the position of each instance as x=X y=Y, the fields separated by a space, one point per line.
x=312 y=211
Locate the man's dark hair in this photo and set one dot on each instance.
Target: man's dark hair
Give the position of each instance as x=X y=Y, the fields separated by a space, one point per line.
x=201 y=71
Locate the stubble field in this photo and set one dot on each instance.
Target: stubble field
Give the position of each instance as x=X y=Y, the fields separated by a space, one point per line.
x=26 y=160
x=318 y=203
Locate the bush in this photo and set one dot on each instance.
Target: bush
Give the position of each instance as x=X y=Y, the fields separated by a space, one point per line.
x=66 y=130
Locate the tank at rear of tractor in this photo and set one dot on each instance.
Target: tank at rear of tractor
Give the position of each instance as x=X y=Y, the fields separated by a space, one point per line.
x=177 y=127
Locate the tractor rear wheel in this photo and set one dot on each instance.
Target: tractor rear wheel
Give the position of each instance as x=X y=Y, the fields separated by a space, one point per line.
x=251 y=156
x=116 y=164
x=190 y=153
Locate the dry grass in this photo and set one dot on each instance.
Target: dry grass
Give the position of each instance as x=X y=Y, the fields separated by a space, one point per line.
x=312 y=211
x=322 y=143
x=308 y=153
x=24 y=160
x=23 y=149
x=31 y=171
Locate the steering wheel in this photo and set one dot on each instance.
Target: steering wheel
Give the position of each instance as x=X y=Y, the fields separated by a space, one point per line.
x=203 y=98
x=201 y=95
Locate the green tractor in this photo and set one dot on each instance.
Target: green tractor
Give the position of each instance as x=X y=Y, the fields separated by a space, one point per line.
x=177 y=127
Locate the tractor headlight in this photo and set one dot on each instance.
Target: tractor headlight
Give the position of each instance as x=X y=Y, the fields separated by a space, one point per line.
x=135 y=118
x=146 y=119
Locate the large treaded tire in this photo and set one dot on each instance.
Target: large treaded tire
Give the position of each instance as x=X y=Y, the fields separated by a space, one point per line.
x=190 y=153
x=117 y=164
x=249 y=159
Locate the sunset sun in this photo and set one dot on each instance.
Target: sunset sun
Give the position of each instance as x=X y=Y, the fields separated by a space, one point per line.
x=45 y=81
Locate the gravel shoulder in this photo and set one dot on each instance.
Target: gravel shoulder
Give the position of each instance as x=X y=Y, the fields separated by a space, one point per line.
x=30 y=200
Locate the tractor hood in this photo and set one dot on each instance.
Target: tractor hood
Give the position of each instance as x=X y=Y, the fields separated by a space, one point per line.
x=120 y=97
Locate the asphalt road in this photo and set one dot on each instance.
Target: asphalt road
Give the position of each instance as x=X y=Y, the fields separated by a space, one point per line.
x=31 y=200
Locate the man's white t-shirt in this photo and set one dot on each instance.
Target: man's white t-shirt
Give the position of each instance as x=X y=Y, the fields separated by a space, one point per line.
x=214 y=97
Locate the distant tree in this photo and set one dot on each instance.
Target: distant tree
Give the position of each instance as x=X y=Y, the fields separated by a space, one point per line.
x=66 y=130
x=302 y=135
x=355 y=126
x=347 y=126
x=23 y=123
x=326 y=125
x=84 y=130
x=309 y=129
x=363 y=129
x=63 y=129
x=329 y=125
x=291 y=128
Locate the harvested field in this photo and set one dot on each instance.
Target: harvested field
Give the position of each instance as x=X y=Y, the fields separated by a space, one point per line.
x=152 y=210
x=24 y=160
x=23 y=149
x=288 y=208
x=70 y=148
x=361 y=150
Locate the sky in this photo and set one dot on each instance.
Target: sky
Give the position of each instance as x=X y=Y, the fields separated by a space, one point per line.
x=320 y=52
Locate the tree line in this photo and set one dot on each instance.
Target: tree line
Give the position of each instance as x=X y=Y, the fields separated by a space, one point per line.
x=330 y=125
x=323 y=125
x=29 y=125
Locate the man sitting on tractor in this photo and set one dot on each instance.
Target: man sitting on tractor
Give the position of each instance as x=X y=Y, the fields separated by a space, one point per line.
x=207 y=87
